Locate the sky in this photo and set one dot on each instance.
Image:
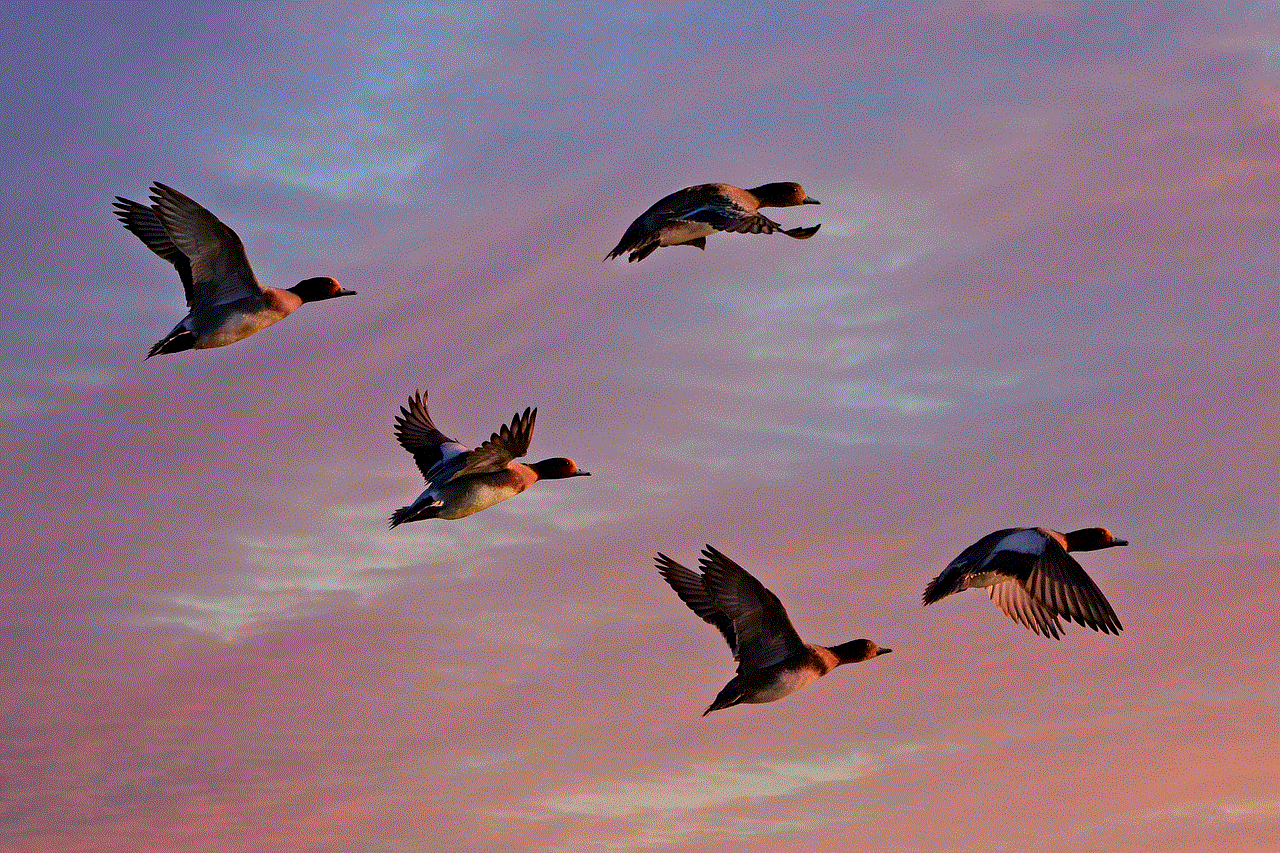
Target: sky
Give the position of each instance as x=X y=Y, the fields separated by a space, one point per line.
x=1045 y=292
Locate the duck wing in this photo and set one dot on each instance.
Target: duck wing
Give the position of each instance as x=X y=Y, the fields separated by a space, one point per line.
x=765 y=634
x=718 y=205
x=1057 y=582
x=219 y=267
x=971 y=560
x=721 y=206
x=506 y=444
x=1019 y=606
x=693 y=592
x=730 y=217
x=433 y=451
x=143 y=223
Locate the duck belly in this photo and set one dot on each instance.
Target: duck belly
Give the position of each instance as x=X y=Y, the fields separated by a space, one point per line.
x=232 y=327
x=675 y=233
x=982 y=580
x=475 y=497
x=780 y=684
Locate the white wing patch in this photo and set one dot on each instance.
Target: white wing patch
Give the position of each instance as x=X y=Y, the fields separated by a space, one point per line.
x=1024 y=542
x=451 y=450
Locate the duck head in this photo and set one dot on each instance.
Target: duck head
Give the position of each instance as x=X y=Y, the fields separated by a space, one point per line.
x=315 y=289
x=558 y=468
x=781 y=194
x=1091 y=539
x=856 y=651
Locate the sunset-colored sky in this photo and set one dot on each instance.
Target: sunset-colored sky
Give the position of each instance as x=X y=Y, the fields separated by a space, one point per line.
x=1045 y=292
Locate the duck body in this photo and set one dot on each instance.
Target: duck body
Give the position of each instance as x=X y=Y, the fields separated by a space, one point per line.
x=1030 y=575
x=462 y=481
x=688 y=216
x=220 y=325
x=227 y=302
x=465 y=496
x=773 y=683
x=773 y=661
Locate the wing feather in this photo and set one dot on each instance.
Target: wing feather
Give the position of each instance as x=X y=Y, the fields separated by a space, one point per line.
x=219 y=266
x=765 y=634
x=144 y=224
x=1057 y=580
x=508 y=443
x=689 y=586
x=1011 y=598
x=418 y=434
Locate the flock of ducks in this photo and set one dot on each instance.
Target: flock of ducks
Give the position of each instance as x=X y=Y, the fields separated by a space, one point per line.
x=1027 y=571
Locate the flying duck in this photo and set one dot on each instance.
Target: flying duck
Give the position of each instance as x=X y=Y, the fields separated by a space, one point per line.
x=460 y=481
x=688 y=216
x=1031 y=577
x=772 y=659
x=226 y=301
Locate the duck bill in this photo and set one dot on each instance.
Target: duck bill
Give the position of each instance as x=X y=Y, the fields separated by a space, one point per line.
x=811 y=201
x=882 y=652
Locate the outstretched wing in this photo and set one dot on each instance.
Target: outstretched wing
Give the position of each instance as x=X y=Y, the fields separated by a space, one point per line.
x=1059 y=583
x=143 y=223
x=732 y=218
x=971 y=559
x=723 y=207
x=219 y=267
x=693 y=592
x=432 y=450
x=765 y=634
x=503 y=446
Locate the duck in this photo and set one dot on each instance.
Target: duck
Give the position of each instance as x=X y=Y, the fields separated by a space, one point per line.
x=227 y=302
x=461 y=481
x=1030 y=575
x=773 y=661
x=688 y=216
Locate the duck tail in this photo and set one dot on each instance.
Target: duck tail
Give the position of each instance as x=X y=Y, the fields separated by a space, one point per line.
x=642 y=252
x=937 y=589
x=729 y=696
x=413 y=512
x=634 y=243
x=178 y=340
